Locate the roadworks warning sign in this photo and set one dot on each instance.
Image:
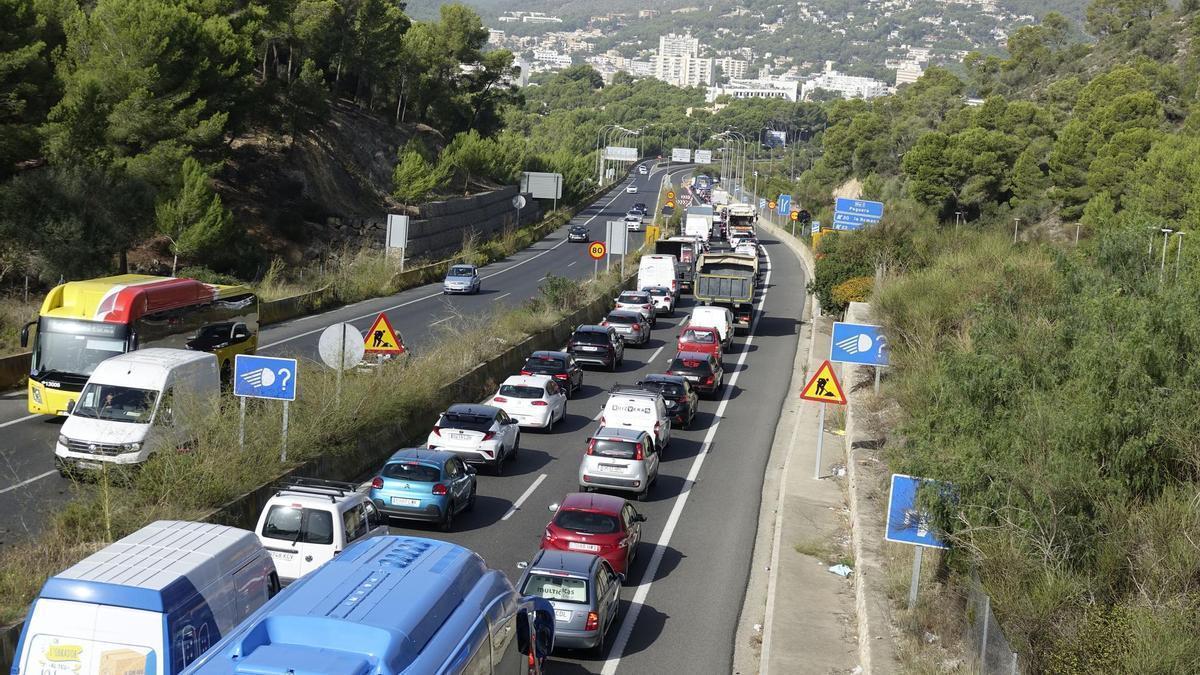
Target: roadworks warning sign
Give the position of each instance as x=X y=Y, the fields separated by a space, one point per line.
x=382 y=338
x=824 y=387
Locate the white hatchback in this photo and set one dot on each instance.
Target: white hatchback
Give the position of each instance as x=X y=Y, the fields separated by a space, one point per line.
x=479 y=434
x=532 y=400
x=637 y=301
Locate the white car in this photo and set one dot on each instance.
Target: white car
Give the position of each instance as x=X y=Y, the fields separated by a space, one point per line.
x=532 y=400
x=746 y=248
x=636 y=408
x=663 y=299
x=713 y=317
x=479 y=434
x=309 y=520
x=632 y=189
x=633 y=222
x=643 y=170
x=637 y=301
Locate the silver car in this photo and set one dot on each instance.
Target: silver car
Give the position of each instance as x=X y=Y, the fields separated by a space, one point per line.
x=462 y=279
x=633 y=328
x=620 y=458
x=585 y=593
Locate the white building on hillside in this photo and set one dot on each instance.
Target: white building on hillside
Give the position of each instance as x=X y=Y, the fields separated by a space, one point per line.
x=847 y=86
x=733 y=69
x=678 y=45
x=738 y=89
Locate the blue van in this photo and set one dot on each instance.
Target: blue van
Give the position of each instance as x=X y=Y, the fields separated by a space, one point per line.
x=390 y=605
x=148 y=604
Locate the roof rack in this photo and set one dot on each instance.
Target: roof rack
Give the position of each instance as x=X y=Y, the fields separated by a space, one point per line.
x=319 y=487
x=631 y=389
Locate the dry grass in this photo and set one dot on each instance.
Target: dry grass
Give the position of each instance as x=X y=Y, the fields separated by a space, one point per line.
x=14 y=314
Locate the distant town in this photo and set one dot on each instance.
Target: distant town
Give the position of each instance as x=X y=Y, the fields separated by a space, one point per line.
x=685 y=59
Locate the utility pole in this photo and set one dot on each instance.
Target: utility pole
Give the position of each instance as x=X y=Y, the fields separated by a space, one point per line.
x=1016 y=224
x=1162 y=266
x=1178 y=253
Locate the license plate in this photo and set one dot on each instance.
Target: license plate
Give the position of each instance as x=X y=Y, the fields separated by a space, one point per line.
x=458 y=437
x=576 y=546
x=89 y=465
x=280 y=555
x=611 y=468
x=591 y=349
x=562 y=615
x=403 y=501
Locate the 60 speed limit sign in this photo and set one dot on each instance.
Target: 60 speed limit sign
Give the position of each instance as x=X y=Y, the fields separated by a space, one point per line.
x=597 y=250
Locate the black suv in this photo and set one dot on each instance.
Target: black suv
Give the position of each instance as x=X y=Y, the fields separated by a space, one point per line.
x=599 y=345
x=579 y=233
x=678 y=394
x=559 y=365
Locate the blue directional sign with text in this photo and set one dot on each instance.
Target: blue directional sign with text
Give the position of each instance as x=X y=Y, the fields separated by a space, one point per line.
x=264 y=377
x=906 y=524
x=853 y=214
x=762 y=203
x=859 y=343
x=783 y=205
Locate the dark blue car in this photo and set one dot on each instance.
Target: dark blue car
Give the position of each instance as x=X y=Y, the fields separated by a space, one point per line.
x=429 y=485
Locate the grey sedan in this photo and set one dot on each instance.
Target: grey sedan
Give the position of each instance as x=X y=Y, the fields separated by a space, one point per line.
x=585 y=593
x=630 y=325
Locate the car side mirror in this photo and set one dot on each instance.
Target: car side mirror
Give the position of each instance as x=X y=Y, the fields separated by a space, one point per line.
x=553 y=507
x=70 y=407
x=639 y=518
x=620 y=578
x=472 y=470
x=522 y=565
x=25 y=334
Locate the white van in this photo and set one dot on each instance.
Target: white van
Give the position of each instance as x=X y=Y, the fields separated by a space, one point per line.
x=658 y=270
x=150 y=603
x=709 y=316
x=135 y=404
x=637 y=408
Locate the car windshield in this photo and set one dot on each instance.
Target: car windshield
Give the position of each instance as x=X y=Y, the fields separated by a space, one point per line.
x=461 y=271
x=622 y=318
x=467 y=422
x=615 y=449
x=412 y=472
x=587 y=521
x=521 y=391
x=117 y=403
x=76 y=347
x=298 y=525
x=545 y=366
x=559 y=589
x=704 y=337
x=667 y=389
x=590 y=337
x=689 y=366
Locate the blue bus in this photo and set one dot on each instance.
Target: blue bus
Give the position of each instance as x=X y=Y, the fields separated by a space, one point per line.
x=391 y=605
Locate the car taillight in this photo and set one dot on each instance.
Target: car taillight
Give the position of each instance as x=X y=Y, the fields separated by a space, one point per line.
x=638 y=453
x=439 y=489
x=499 y=399
x=489 y=435
x=549 y=535
x=623 y=543
x=540 y=403
x=602 y=420
x=377 y=483
x=593 y=621
x=604 y=323
x=708 y=380
x=682 y=399
x=657 y=426
x=560 y=376
x=525 y=372
x=637 y=328
x=437 y=431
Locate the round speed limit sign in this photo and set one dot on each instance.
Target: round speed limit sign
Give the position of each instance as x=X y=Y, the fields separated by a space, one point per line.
x=795 y=215
x=597 y=250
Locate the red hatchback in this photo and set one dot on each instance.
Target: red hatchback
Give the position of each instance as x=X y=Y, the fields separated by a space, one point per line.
x=703 y=339
x=603 y=525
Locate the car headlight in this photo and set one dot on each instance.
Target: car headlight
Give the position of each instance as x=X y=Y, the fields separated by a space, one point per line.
x=131 y=447
x=36 y=392
x=63 y=440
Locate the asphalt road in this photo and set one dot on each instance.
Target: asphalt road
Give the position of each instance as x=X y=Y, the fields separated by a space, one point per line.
x=31 y=489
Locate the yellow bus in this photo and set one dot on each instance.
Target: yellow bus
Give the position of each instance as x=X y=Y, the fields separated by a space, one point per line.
x=82 y=323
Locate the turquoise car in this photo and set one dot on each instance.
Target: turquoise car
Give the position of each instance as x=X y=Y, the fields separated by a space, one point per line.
x=427 y=485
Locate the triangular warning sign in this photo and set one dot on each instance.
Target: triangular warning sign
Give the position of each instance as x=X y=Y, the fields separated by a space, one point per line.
x=824 y=387
x=382 y=338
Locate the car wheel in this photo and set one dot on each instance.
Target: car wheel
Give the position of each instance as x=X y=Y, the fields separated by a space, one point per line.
x=447 y=521
x=644 y=494
x=471 y=500
x=516 y=446
x=498 y=465
x=612 y=368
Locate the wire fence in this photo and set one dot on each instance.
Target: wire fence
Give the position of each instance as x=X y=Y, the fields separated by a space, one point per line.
x=989 y=650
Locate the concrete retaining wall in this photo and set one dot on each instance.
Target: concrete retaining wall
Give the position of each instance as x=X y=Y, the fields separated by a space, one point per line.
x=441 y=226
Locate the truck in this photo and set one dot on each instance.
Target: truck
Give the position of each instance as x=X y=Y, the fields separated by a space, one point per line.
x=685 y=250
x=727 y=280
x=698 y=222
x=720 y=197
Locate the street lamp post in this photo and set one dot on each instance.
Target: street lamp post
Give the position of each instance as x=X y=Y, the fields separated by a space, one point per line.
x=600 y=133
x=1178 y=253
x=1162 y=266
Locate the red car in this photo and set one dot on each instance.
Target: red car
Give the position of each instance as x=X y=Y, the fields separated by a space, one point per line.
x=703 y=339
x=603 y=525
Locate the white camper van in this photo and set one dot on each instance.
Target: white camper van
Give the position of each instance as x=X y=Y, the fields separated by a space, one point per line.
x=135 y=404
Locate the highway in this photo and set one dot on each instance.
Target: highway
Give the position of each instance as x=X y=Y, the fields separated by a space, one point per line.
x=31 y=489
x=682 y=598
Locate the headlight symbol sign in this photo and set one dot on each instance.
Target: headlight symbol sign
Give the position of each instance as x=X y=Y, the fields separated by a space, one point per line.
x=264 y=377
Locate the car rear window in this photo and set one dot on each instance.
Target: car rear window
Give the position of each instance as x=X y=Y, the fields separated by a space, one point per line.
x=689 y=366
x=632 y=298
x=586 y=521
x=621 y=318
x=615 y=449
x=667 y=389
x=659 y=291
x=561 y=589
x=590 y=337
x=521 y=391
x=467 y=422
x=412 y=471
x=546 y=366
x=295 y=524
x=704 y=337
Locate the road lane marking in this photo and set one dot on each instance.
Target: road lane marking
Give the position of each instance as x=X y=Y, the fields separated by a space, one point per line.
x=501 y=297
x=572 y=263
x=643 y=589
x=19 y=420
x=28 y=481
x=442 y=320
x=524 y=495
x=654 y=356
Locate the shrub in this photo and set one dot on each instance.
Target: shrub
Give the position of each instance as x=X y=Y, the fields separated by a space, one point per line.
x=854 y=289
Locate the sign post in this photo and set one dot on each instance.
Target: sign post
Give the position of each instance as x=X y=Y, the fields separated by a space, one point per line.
x=518 y=203
x=340 y=347
x=265 y=377
x=906 y=524
x=823 y=387
x=396 y=235
x=861 y=344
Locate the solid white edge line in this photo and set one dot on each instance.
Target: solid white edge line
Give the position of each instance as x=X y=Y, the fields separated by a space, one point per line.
x=643 y=589
x=524 y=495
x=436 y=322
x=19 y=420
x=27 y=481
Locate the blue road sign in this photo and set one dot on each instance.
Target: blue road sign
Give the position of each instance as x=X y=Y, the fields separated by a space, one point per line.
x=859 y=343
x=264 y=377
x=783 y=205
x=762 y=203
x=859 y=207
x=816 y=226
x=906 y=524
x=846 y=221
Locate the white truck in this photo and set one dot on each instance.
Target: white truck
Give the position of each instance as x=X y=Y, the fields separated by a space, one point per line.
x=698 y=222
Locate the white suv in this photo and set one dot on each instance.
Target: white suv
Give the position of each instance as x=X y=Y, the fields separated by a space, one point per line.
x=310 y=520
x=635 y=408
x=479 y=434
x=637 y=301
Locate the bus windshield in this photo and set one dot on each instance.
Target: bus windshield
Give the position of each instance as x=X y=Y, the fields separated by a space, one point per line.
x=76 y=347
x=116 y=403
